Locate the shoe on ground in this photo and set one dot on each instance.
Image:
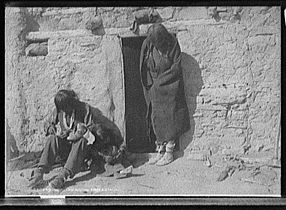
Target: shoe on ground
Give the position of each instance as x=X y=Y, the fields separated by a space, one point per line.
x=119 y=175
x=155 y=159
x=127 y=170
x=59 y=181
x=109 y=170
x=166 y=159
x=36 y=177
x=123 y=173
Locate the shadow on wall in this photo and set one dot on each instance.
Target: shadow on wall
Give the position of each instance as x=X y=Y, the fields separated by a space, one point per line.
x=193 y=84
x=11 y=146
x=31 y=23
x=110 y=126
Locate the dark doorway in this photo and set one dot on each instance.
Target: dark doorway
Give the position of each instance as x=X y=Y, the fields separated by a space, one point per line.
x=135 y=105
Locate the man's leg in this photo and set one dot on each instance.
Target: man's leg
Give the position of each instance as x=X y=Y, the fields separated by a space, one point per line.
x=160 y=149
x=168 y=156
x=79 y=151
x=54 y=146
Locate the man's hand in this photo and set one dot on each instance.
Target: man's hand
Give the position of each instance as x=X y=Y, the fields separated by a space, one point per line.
x=51 y=130
x=119 y=155
x=81 y=130
x=108 y=159
x=99 y=131
x=64 y=134
x=74 y=136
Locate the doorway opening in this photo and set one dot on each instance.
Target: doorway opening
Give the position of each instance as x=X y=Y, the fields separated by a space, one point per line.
x=135 y=106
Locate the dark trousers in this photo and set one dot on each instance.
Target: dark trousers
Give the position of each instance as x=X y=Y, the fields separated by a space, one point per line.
x=73 y=152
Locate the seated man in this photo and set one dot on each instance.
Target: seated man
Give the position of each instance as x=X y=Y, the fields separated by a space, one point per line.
x=70 y=112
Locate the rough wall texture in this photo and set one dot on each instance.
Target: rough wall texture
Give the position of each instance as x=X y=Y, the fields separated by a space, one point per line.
x=239 y=103
x=231 y=63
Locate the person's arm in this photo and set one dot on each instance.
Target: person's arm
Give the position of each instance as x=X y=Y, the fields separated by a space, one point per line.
x=176 y=52
x=80 y=132
x=108 y=137
x=146 y=78
x=121 y=145
x=174 y=72
x=104 y=129
x=50 y=124
x=96 y=130
x=89 y=120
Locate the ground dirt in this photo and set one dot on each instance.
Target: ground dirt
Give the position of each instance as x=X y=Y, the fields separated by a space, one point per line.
x=181 y=177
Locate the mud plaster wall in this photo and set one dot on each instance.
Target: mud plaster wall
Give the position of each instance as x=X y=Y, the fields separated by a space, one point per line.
x=231 y=63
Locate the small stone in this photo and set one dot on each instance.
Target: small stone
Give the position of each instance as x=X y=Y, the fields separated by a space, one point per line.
x=231 y=171
x=235 y=106
x=208 y=101
x=196 y=156
x=214 y=149
x=226 y=151
x=198 y=115
x=223 y=175
x=276 y=163
x=233 y=19
x=208 y=162
x=267 y=148
x=259 y=147
x=199 y=133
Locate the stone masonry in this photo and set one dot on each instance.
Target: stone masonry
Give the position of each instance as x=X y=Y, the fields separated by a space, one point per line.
x=231 y=63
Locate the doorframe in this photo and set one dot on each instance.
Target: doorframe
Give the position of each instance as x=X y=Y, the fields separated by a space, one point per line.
x=121 y=37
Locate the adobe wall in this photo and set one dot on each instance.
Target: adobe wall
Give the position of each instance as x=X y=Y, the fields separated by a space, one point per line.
x=231 y=64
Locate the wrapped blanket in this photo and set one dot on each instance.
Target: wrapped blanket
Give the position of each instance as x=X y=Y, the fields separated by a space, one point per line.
x=162 y=80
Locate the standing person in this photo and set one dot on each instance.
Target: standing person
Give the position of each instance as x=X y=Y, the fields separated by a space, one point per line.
x=162 y=80
x=70 y=112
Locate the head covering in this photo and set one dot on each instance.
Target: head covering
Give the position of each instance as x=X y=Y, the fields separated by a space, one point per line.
x=161 y=38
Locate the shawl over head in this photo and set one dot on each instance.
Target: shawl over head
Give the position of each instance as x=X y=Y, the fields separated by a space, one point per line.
x=163 y=87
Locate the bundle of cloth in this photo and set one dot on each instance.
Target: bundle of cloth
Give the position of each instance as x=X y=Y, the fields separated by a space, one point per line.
x=144 y=17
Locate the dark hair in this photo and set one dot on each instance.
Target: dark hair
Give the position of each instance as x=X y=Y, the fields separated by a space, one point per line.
x=161 y=38
x=65 y=98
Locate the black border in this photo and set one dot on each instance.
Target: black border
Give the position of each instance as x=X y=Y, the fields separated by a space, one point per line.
x=283 y=81
x=155 y=200
x=121 y=3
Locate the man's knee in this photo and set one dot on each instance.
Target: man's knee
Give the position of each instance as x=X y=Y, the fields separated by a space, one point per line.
x=82 y=141
x=51 y=139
